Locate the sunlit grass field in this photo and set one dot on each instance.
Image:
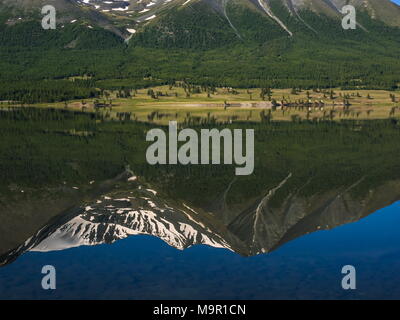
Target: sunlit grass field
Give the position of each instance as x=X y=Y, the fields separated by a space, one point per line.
x=229 y=105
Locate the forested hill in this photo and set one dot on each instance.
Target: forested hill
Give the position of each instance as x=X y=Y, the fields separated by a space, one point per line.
x=238 y=46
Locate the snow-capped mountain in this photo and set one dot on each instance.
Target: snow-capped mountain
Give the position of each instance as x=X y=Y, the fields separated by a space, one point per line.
x=108 y=220
x=132 y=16
x=121 y=214
x=260 y=228
x=380 y=9
x=144 y=11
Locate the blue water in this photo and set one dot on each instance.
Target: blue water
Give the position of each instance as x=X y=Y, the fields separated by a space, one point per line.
x=143 y=267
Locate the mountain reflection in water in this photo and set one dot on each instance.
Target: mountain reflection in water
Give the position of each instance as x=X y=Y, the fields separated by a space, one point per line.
x=135 y=208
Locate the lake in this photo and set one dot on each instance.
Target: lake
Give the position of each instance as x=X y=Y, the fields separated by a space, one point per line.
x=323 y=195
x=144 y=267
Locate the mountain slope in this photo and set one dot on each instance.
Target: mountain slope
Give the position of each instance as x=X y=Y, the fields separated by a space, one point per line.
x=208 y=24
x=130 y=16
x=67 y=11
x=281 y=43
x=259 y=228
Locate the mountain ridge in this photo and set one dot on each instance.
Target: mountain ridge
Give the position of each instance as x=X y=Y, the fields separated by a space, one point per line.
x=225 y=43
x=258 y=229
x=125 y=18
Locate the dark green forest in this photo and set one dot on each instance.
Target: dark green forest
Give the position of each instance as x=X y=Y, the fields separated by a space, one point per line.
x=197 y=44
x=49 y=148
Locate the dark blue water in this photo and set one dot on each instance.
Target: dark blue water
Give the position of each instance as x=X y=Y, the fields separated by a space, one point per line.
x=143 y=267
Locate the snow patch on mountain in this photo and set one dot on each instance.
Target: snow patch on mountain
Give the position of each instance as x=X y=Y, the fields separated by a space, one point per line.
x=115 y=218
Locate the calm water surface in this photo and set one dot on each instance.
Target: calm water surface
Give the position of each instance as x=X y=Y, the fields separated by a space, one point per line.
x=144 y=267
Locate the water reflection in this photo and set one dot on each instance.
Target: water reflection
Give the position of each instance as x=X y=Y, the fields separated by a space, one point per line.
x=136 y=208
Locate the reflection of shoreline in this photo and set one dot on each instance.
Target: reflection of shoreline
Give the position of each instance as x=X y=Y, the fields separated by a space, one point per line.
x=261 y=228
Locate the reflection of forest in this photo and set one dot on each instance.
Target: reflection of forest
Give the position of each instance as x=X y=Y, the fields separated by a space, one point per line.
x=308 y=176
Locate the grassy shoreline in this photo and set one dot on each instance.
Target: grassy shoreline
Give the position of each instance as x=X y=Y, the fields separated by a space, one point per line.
x=162 y=104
